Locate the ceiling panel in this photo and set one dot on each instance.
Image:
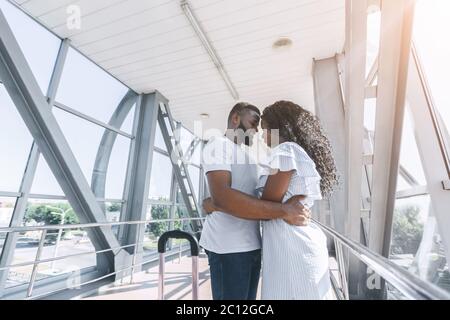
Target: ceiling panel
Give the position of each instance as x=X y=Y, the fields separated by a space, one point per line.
x=151 y=45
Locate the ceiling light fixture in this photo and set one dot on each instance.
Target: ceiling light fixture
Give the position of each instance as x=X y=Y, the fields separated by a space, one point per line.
x=189 y=13
x=283 y=42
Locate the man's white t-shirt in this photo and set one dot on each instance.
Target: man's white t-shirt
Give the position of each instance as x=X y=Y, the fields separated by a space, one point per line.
x=223 y=233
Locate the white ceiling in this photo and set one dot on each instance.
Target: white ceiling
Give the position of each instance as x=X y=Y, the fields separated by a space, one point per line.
x=151 y=45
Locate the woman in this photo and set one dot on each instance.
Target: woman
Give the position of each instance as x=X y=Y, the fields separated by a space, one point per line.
x=295 y=259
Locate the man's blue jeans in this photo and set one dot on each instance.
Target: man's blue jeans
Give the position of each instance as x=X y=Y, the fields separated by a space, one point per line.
x=234 y=276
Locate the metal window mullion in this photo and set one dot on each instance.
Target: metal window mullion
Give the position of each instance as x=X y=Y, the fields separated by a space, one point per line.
x=90 y=119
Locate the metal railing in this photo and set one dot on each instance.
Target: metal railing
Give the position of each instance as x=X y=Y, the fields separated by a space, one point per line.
x=408 y=284
x=44 y=229
x=411 y=286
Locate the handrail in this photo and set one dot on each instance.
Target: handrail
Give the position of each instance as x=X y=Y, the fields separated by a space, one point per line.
x=44 y=230
x=96 y=279
x=76 y=226
x=407 y=283
x=88 y=225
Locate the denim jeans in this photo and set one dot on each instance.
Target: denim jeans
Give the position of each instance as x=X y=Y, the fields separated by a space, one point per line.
x=234 y=276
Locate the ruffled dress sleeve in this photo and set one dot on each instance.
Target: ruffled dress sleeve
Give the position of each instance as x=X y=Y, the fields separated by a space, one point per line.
x=291 y=157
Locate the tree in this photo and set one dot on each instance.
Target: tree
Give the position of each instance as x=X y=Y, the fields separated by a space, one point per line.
x=407 y=230
x=114 y=207
x=41 y=213
x=160 y=212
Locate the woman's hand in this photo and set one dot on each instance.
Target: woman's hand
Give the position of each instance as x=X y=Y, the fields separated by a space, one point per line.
x=208 y=206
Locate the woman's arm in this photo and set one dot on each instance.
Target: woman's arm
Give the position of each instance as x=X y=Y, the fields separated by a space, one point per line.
x=277 y=186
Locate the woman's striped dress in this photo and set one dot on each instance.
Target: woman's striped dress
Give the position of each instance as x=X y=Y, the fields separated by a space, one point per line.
x=295 y=259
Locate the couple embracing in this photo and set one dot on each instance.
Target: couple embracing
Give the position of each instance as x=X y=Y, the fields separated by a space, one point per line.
x=276 y=194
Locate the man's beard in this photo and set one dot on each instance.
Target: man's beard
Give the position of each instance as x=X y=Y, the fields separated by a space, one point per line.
x=248 y=138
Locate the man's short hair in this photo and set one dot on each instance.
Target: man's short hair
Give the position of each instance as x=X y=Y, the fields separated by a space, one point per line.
x=243 y=106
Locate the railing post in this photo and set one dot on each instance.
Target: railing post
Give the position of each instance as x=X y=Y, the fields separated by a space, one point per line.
x=36 y=263
x=341 y=268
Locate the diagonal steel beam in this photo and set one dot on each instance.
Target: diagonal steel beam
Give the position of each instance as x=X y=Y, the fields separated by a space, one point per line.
x=33 y=107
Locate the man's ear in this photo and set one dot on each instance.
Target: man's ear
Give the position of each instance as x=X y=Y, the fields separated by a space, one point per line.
x=235 y=120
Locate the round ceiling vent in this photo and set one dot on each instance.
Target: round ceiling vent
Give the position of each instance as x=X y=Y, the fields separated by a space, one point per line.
x=283 y=42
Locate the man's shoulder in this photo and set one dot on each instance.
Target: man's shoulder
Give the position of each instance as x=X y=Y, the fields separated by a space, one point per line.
x=218 y=140
x=218 y=151
x=218 y=143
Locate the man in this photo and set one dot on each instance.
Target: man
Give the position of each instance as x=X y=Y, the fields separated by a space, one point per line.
x=231 y=239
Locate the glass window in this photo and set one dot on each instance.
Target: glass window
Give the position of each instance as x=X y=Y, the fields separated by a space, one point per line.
x=154 y=230
x=39 y=46
x=112 y=211
x=416 y=244
x=186 y=139
x=88 y=89
x=6 y=211
x=83 y=137
x=127 y=125
x=409 y=154
x=159 y=140
x=44 y=181
x=370 y=109
x=84 y=140
x=68 y=242
x=430 y=31
x=402 y=184
x=15 y=144
x=117 y=168
x=194 y=174
x=373 y=36
x=161 y=177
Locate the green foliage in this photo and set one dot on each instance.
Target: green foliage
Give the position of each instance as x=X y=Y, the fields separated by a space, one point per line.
x=407 y=230
x=44 y=213
x=114 y=207
x=160 y=212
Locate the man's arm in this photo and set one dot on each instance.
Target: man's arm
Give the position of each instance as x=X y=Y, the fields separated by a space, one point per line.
x=244 y=206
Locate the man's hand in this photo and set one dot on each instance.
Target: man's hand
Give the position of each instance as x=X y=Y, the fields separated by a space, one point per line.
x=208 y=206
x=296 y=213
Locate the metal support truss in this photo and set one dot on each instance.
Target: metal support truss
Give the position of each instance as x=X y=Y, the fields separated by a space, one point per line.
x=33 y=107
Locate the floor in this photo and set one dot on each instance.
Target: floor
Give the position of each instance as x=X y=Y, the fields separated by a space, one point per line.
x=178 y=283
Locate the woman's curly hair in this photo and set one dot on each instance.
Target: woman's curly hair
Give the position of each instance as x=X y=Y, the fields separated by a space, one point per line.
x=298 y=125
